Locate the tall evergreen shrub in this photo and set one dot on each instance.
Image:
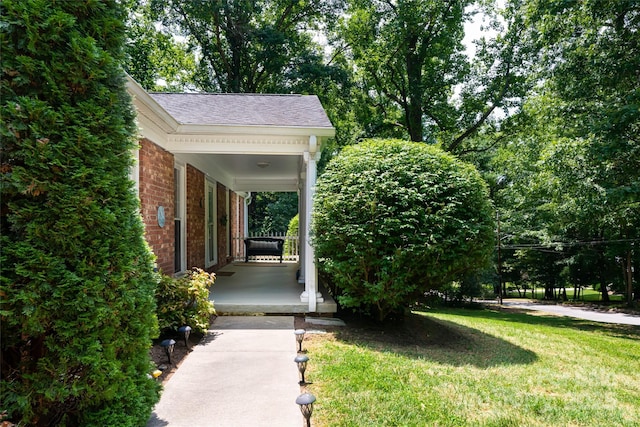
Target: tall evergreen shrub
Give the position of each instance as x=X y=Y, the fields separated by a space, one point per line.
x=393 y=219
x=77 y=283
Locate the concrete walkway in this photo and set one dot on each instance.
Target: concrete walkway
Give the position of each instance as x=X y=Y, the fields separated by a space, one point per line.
x=242 y=374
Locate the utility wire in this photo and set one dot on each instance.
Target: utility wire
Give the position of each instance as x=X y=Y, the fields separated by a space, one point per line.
x=565 y=244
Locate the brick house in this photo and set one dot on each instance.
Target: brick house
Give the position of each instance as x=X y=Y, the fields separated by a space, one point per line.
x=200 y=158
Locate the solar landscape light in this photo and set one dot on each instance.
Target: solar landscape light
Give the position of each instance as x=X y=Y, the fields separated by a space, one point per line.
x=299 y=338
x=168 y=346
x=185 y=331
x=302 y=360
x=305 y=401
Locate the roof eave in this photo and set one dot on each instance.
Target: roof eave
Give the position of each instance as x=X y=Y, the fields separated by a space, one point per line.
x=192 y=129
x=142 y=98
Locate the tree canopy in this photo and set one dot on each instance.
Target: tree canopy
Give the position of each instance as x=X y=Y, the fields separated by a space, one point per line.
x=245 y=46
x=418 y=79
x=575 y=163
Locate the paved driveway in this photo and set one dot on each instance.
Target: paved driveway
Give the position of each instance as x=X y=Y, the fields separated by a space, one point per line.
x=577 y=312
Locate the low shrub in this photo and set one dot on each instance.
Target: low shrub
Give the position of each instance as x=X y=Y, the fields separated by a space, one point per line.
x=185 y=301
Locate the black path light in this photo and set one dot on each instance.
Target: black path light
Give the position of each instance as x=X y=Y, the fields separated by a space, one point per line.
x=305 y=401
x=299 y=338
x=168 y=346
x=185 y=331
x=302 y=360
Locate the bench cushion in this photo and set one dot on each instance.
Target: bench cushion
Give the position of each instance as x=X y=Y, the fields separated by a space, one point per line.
x=257 y=244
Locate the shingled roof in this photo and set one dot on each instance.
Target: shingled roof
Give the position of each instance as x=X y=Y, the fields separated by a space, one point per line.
x=244 y=109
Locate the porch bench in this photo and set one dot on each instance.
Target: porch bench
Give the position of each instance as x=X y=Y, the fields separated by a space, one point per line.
x=263 y=246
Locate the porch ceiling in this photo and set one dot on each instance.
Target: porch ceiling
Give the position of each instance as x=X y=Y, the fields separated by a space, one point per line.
x=249 y=172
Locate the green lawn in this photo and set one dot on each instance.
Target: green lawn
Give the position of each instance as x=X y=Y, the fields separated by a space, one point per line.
x=478 y=368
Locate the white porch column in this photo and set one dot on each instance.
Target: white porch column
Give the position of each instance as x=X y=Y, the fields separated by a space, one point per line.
x=310 y=293
x=302 y=226
x=245 y=230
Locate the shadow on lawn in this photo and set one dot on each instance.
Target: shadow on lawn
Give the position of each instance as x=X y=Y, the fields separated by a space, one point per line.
x=436 y=340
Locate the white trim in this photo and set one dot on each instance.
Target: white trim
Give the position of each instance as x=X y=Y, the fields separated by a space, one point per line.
x=210 y=259
x=222 y=129
x=182 y=204
x=154 y=122
x=237 y=144
x=247 y=202
x=301 y=230
x=258 y=185
x=142 y=98
x=228 y=224
x=310 y=293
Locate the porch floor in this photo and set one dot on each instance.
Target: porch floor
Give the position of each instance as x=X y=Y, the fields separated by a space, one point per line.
x=262 y=287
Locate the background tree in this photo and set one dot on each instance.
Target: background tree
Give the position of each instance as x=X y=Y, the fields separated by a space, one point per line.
x=271 y=212
x=556 y=204
x=411 y=60
x=248 y=46
x=157 y=60
x=575 y=160
x=593 y=48
x=394 y=219
x=77 y=281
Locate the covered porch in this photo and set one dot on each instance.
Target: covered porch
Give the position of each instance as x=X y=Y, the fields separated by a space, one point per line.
x=262 y=287
x=206 y=155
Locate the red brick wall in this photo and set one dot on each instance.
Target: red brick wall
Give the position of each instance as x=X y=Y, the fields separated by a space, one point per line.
x=195 y=218
x=156 y=189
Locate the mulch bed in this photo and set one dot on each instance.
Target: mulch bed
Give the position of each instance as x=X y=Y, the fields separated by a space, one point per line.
x=159 y=355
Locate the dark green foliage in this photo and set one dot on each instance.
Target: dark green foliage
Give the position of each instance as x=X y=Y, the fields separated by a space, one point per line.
x=77 y=276
x=410 y=59
x=260 y=46
x=271 y=212
x=394 y=219
x=185 y=301
x=153 y=57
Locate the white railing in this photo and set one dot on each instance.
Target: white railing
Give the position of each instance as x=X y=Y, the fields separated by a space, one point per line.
x=291 y=247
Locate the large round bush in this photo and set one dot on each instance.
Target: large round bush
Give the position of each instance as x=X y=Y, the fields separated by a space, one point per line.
x=395 y=218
